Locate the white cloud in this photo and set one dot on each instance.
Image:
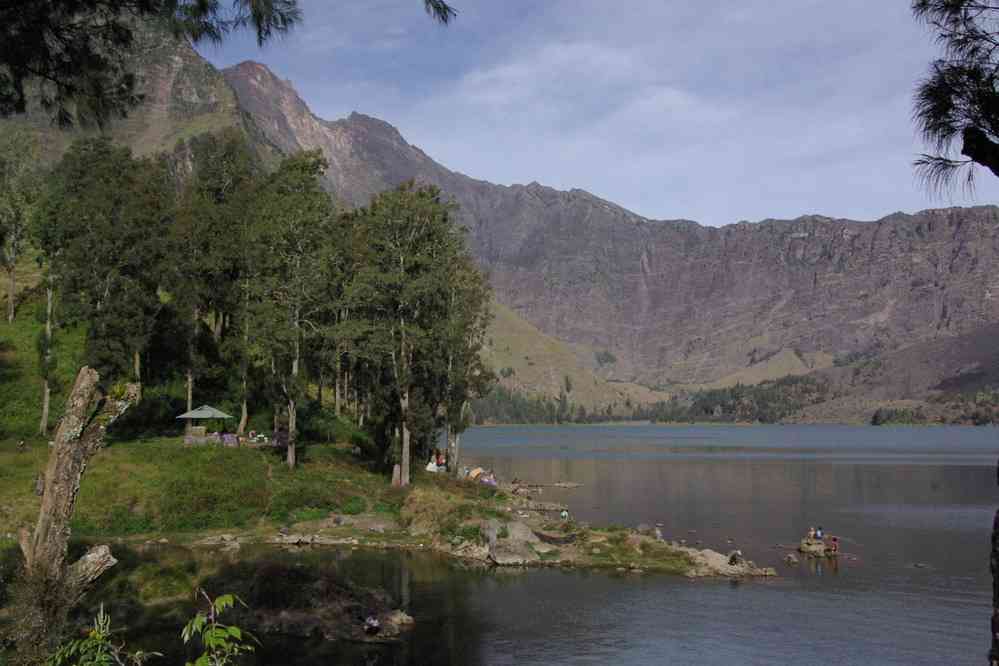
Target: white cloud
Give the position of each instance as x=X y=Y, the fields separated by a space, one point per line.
x=715 y=111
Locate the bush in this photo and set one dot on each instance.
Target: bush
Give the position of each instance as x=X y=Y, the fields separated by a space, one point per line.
x=156 y=414
x=605 y=358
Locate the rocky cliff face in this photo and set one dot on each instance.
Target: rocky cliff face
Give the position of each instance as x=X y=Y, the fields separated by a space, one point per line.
x=675 y=302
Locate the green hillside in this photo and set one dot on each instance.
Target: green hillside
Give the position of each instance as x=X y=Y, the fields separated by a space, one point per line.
x=530 y=362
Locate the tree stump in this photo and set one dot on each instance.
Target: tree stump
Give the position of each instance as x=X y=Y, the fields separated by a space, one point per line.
x=89 y=412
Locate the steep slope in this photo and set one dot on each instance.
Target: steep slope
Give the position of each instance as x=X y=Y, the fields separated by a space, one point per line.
x=183 y=95
x=676 y=303
x=530 y=362
x=914 y=376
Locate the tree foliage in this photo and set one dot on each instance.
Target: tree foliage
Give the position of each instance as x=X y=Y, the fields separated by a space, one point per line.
x=956 y=106
x=19 y=188
x=101 y=225
x=72 y=56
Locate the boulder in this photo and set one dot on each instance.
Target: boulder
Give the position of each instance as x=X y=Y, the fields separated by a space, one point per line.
x=812 y=547
x=512 y=554
x=791 y=558
x=519 y=531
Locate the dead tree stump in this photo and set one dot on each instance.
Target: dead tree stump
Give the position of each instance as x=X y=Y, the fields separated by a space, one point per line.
x=89 y=412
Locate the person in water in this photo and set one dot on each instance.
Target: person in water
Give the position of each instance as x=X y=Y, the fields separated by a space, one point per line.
x=834 y=544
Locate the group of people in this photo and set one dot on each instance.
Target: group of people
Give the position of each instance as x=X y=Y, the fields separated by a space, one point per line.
x=438 y=461
x=818 y=534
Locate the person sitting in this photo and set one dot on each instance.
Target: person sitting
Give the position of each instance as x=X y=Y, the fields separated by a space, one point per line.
x=564 y=515
x=441 y=461
x=819 y=534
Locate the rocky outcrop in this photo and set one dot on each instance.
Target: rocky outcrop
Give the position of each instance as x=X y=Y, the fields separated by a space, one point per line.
x=711 y=563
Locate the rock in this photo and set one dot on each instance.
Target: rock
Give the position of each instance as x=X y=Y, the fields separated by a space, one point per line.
x=643 y=528
x=399 y=618
x=791 y=558
x=490 y=531
x=520 y=532
x=507 y=554
x=543 y=548
x=812 y=547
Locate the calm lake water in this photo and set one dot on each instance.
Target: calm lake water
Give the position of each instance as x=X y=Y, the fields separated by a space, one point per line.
x=897 y=497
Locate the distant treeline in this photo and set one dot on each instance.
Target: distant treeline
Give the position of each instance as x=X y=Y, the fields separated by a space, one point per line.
x=979 y=407
x=769 y=402
x=503 y=405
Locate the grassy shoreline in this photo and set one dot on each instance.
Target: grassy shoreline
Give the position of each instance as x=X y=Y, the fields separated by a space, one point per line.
x=148 y=491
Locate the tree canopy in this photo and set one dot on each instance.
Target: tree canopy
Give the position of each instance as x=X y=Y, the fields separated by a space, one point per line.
x=956 y=106
x=72 y=56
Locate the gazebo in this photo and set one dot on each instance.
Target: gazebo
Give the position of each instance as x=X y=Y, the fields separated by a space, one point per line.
x=203 y=413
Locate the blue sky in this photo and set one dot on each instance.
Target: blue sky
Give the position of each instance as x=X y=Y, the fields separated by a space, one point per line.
x=715 y=111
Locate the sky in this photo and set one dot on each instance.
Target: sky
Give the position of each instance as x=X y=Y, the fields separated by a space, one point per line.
x=715 y=111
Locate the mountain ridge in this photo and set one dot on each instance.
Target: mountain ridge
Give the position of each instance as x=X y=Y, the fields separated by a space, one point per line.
x=677 y=304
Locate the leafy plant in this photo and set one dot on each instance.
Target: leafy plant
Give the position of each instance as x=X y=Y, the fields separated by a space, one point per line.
x=98 y=649
x=222 y=643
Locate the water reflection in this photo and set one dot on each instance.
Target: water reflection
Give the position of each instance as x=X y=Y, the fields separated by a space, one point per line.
x=873 y=606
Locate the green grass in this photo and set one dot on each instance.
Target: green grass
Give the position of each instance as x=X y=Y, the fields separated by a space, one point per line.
x=159 y=486
x=20 y=384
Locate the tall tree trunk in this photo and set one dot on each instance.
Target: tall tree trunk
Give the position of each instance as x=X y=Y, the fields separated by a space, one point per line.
x=137 y=370
x=452 y=451
x=319 y=388
x=11 y=290
x=190 y=364
x=244 y=414
x=339 y=376
x=292 y=418
x=404 y=408
x=80 y=435
x=43 y=425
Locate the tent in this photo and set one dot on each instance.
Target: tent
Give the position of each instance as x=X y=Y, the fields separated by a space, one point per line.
x=204 y=412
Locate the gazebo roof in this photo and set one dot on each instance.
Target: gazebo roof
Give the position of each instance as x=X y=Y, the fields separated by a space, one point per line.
x=204 y=412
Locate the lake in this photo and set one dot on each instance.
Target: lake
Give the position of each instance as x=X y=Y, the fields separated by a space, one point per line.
x=898 y=497
x=913 y=507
